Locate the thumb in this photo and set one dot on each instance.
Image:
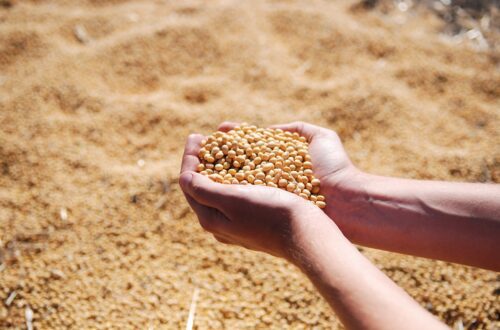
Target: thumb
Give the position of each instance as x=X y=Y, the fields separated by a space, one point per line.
x=206 y=192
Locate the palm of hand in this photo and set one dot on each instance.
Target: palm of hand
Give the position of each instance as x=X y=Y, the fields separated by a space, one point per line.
x=331 y=165
x=257 y=217
x=328 y=156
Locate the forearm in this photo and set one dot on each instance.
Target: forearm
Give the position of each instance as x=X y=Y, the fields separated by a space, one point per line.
x=457 y=222
x=361 y=295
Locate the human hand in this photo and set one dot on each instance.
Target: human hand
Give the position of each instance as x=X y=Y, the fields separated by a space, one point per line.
x=331 y=165
x=341 y=181
x=260 y=218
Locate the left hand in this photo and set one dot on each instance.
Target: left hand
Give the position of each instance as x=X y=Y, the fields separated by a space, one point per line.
x=260 y=218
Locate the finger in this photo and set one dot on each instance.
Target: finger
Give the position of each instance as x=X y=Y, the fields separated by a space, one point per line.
x=210 y=219
x=207 y=192
x=305 y=129
x=222 y=239
x=190 y=158
x=227 y=126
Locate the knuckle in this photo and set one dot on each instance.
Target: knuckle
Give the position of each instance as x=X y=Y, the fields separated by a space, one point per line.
x=207 y=224
x=299 y=124
x=183 y=181
x=333 y=134
x=326 y=132
x=196 y=188
x=301 y=127
x=221 y=240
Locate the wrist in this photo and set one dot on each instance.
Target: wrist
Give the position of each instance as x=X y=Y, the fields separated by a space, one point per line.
x=348 y=181
x=325 y=253
x=346 y=195
x=312 y=230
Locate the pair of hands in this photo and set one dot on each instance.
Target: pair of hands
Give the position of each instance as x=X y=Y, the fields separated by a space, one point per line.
x=455 y=222
x=262 y=218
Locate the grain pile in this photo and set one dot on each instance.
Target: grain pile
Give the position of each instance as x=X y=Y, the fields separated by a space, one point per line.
x=260 y=156
x=97 y=98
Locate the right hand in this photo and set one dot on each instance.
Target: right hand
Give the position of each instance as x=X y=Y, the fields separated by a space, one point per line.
x=331 y=165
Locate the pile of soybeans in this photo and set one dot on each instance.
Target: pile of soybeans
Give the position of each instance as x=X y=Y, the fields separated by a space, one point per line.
x=261 y=156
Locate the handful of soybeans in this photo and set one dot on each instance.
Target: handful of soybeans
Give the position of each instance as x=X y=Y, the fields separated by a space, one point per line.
x=261 y=156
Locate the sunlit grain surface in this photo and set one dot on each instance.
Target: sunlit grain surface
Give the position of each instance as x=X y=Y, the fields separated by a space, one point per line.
x=97 y=98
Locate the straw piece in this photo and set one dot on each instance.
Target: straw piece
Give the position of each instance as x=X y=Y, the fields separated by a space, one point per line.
x=63 y=213
x=28 y=313
x=81 y=34
x=192 y=309
x=11 y=298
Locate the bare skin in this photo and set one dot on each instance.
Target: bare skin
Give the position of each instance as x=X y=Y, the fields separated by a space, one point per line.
x=406 y=216
x=456 y=222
